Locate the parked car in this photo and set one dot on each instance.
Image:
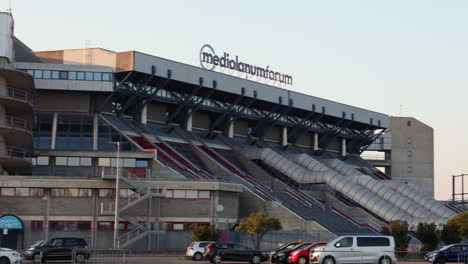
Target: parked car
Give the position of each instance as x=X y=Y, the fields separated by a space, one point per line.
x=9 y=256
x=282 y=256
x=272 y=254
x=449 y=253
x=302 y=254
x=217 y=252
x=60 y=248
x=356 y=249
x=195 y=249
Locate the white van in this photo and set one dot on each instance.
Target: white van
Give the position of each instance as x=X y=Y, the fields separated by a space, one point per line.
x=356 y=249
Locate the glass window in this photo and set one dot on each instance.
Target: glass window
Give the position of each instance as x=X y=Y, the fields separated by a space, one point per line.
x=73 y=161
x=129 y=163
x=345 y=242
x=373 y=242
x=105 y=225
x=179 y=193
x=71 y=192
x=104 y=162
x=191 y=194
x=410 y=153
x=22 y=192
x=55 y=75
x=85 y=161
x=37 y=225
x=74 y=132
x=8 y=191
x=43 y=131
x=105 y=193
x=30 y=72
x=57 y=192
x=72 y=75
x=410 y=140
x=70 y=226
x=41 y=160
x=141 y=164
x=80 y=75
x=106 y=76
x=84 y=225
x=97 y=76
x=36 y=192
x=178 y=227
x=56 y=225
x=64 y=75
x=88 y=76
x=204 y=194
x=85 y=192
x=38 y=74
x=169 y=194
x=46 y=74
x=61 y=161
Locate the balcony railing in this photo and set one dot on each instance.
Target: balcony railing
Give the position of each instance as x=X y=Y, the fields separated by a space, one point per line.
x=11 y=151
x=19 y=94
x=10 y=121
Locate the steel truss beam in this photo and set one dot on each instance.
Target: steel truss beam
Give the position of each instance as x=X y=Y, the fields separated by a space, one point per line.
x=116 y=89
x=327 y=139
x=184 y=102
x=304 y=127
x=225 y=113
x=371 y=141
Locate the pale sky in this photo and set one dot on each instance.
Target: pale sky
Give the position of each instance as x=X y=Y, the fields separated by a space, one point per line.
x=372 y=54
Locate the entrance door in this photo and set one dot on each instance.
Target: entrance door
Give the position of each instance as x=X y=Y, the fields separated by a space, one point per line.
x=10 y=240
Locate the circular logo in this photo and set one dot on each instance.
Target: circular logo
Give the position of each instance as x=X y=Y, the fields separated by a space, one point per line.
x=206 y=57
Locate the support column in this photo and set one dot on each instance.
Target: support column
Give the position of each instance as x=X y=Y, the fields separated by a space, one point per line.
x=343 y=147
x=54 y=131
x=95 y=131
x=188 y=125
x=316 y=141
x=284 y=138
x=144 y=114
x=231 y=127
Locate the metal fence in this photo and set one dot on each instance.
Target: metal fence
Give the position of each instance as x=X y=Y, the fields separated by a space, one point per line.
x=365 y=256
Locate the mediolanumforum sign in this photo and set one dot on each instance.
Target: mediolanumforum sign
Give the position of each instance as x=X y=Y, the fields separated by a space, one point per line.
x=209 y=60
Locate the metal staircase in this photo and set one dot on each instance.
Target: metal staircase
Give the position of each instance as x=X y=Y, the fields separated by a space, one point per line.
x=143 y=190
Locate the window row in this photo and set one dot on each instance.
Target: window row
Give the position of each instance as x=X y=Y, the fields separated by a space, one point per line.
x=79 y=225
x=87 y=161
x=70 y=75
x=62 y=192
x=187 y=194
x=182 y=226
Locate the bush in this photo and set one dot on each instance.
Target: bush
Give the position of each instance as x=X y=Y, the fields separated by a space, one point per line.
x=399 y=230
x=257 y=225
x=450 y=234
x=204 y=233
x=428 y=234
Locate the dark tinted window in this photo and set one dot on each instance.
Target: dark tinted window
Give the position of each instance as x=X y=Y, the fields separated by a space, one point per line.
x=203 y=244
x=303 y=246
x=373 y=242
x=72 y=242
x=56 y=243
x=224 y=246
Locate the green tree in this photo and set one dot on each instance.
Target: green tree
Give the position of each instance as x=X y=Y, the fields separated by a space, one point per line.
x=204 y=233
x=399 y=230
x=428 y=234
x=461 y=222
x=450 y=234
x=257 y=225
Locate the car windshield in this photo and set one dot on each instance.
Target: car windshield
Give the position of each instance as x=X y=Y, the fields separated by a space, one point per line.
x=290 y=246
x=37 y=243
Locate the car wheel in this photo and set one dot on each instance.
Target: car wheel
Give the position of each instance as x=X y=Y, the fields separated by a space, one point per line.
x=80 y=258
x=439 y=261
x=302 y=260
x=4 y=260
x=385 y=260
x=37 y=259
x=198 y=256
x=216 y=259
x=256 y=259
x=328 y=260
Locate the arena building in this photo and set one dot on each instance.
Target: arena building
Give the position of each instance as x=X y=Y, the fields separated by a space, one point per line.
x=169 y=145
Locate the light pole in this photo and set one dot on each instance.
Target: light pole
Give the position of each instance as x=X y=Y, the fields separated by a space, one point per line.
x=117 y=199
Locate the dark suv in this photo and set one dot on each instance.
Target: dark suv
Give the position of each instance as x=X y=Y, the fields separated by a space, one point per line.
x=217 y=252
x=60 y=248
x=451 y=253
